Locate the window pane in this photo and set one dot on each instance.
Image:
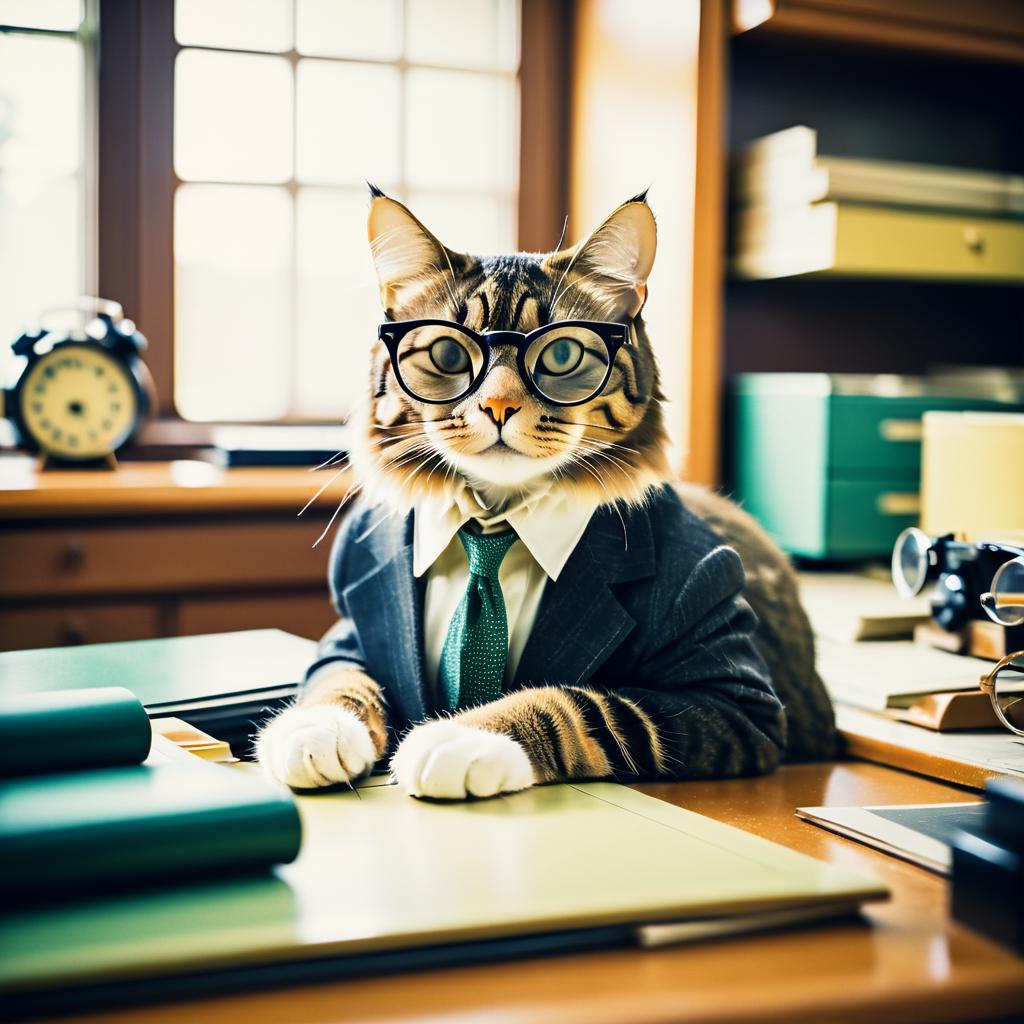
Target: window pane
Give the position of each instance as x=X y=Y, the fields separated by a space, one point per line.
x=55 y=14
x=485 y=107
x=235 y=24
x=40 y=129
x=341 y=137
x=468 y=33
x=232 y=117
x=41 y=196
x=349 y=28
x=41 y=252
x=338 y=304
x=482 y=225
x=233 y=302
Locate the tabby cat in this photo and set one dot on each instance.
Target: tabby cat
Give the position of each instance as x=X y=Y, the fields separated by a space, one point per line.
x=629 y=648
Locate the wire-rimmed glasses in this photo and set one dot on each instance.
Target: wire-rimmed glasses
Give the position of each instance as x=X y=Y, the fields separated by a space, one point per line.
x=564 y=363
x=1004 y=603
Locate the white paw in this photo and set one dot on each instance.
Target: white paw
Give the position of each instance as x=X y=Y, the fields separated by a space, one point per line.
x=309 y=747
x=449 y=761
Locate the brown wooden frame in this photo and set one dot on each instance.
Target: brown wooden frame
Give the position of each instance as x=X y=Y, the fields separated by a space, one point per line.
x=136 y=170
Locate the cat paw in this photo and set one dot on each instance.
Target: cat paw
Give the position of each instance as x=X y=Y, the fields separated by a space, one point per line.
x=449 y=761
x=311 y=747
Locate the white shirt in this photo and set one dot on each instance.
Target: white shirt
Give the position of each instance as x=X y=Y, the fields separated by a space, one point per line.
x=548 y=527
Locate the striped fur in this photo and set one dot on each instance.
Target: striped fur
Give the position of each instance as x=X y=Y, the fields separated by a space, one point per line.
x=576 y=733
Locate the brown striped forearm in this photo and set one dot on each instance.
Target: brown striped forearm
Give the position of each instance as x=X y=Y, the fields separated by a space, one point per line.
x=354 y=691
x=576 y=733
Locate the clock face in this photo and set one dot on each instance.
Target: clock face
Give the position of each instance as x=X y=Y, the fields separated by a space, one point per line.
x=78 y=402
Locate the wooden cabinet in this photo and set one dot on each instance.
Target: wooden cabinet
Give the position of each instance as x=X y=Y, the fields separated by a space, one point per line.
x=160 y=550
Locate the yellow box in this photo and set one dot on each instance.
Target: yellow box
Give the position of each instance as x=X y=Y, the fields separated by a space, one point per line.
x=972 y=475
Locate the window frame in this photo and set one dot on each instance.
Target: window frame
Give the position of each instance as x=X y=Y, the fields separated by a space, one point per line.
x=137 y=182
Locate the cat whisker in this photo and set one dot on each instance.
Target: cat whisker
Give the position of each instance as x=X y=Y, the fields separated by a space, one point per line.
x=321 y=491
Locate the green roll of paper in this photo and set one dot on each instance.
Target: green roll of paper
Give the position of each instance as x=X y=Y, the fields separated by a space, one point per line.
x=68 y=730
x=117 y=827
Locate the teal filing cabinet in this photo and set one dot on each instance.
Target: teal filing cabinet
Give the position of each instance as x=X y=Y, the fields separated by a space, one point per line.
x=830 y=463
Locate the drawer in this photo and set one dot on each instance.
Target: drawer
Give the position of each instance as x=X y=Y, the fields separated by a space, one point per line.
x=864 y=517
x=878 y=240
x=156 y=558
x=305 y=614
x=81 y=623
x=879 y=436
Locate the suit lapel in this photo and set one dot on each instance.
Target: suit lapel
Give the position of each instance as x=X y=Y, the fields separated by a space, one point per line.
x=580 y=622
x=387 y=607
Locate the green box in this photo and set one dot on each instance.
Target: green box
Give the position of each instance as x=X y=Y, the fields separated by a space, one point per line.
x=830 y=463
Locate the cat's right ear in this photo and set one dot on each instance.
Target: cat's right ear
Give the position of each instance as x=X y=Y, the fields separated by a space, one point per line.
x=408 y=258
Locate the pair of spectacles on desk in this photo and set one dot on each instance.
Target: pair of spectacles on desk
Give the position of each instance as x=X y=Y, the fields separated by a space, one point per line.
x=991 y=573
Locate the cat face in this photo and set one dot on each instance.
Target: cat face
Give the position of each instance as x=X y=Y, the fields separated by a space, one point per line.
x=504 y=438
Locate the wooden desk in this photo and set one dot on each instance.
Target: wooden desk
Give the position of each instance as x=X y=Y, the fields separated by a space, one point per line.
x=906 y=962
x=161 y=549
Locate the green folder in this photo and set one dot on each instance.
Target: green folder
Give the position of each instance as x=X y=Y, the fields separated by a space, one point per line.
x=381 y=874
x=224 y=683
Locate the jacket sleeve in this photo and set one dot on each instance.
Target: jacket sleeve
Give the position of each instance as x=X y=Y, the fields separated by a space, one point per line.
x=340 y=644
x=697 y=703
x=703 y=685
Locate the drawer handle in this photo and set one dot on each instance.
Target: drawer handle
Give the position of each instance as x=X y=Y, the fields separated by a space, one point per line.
x=901 y=430
x=72 y=554
x=74 y=632
x=895 y=503
x=974 y=240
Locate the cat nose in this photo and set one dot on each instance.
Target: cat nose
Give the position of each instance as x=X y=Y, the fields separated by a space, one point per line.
x=500 y=410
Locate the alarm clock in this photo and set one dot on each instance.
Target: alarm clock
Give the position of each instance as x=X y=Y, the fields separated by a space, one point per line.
x=81 y=395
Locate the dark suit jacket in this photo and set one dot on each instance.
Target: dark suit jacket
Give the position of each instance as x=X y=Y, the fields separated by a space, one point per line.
x=648 y=604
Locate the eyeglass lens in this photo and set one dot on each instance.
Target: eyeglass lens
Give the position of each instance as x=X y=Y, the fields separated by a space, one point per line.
x=1009 y=693
x=439 y=363
x=910 y=561
x=1005 y=600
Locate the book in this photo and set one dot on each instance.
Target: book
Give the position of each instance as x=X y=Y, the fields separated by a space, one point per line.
x=893 y=674
x=919 y=833
x=849 y=606
x=423 y=883
x=785 y=168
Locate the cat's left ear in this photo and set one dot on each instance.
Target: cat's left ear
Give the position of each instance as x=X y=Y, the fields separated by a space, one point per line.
x=617 y=257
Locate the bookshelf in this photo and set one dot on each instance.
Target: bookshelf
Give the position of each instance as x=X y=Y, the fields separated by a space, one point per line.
x=937 y=84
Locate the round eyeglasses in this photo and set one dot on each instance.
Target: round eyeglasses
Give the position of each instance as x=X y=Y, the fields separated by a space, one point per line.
x=564 y=363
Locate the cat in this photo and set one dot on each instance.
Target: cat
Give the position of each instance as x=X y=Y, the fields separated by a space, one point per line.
x=633 y=653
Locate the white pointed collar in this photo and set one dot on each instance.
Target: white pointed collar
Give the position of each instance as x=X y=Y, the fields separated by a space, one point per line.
x=550 y=523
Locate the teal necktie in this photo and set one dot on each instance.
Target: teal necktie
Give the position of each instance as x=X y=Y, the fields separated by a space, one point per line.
x=476 y=648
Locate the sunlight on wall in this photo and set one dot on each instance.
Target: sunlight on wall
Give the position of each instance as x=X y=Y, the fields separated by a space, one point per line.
x=634 y=109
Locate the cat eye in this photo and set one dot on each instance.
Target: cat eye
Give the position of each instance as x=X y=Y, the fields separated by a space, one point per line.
x=564 y=363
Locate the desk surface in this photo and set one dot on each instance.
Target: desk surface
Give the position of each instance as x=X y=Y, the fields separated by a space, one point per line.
x=907 y=961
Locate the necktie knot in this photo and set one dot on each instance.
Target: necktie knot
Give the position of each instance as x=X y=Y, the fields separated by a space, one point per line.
x=486 y=552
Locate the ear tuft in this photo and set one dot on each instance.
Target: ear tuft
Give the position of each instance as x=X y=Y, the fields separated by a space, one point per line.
x=375 y=192
x=640 y=197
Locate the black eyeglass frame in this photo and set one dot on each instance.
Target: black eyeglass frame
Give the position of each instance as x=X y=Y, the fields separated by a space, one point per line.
x=614 y=336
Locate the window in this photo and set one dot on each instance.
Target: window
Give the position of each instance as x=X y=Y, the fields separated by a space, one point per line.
x=47 y=160
x=282 y=109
